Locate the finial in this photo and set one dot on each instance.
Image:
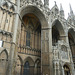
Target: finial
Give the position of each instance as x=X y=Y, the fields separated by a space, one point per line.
x=55 y=2
x=61 y=8
x=71 y=11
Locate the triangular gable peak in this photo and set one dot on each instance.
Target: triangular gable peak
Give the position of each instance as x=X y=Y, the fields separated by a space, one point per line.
x=12 y=7
x=55 y=9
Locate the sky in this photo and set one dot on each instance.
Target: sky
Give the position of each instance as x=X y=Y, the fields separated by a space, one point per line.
x=65 y=5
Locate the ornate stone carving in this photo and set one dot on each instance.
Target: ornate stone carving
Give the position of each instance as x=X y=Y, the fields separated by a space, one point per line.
x=6 y=33
x=39 y=4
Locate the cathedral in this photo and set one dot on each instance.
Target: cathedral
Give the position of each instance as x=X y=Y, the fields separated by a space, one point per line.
x=36 y=40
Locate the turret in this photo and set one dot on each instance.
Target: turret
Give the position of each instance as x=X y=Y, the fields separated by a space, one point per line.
x=71 y=11
x=46 y=3
x=61 y=10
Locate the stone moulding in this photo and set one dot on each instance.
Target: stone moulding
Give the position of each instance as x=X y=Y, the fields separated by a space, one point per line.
x=38 y=4
x=6 y=33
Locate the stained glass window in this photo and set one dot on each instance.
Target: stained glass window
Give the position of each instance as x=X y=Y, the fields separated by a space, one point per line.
x=28 y=39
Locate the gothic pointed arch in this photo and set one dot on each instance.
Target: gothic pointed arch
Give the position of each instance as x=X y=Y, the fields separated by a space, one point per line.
x=36 y=11
x=71 y=38
x=37 y=66
x=55 y=10
x=19 y=65
x=33 y=21
x=67 y=69
x=12 y=8
x=3 y=62
x=6 y=53
x=28 y=66
x=72 y=32
x=31 y=61
x=57 y=31
x=5 y=4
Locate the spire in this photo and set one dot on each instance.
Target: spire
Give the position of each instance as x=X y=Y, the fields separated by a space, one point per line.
x=61 y=10
x=71 y=11
x=46 y=3
x=55 y=3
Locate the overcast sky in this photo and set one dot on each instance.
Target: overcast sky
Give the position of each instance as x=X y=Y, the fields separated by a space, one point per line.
x=65 y=5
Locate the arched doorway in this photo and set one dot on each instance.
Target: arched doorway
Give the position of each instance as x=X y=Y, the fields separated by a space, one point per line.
x=37 y=67
x=28 y=68
x=66 y=70
x=71 y=37
x=57 y=32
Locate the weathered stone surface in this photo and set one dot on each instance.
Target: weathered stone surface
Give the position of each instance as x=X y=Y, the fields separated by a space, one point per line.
x=35 y=40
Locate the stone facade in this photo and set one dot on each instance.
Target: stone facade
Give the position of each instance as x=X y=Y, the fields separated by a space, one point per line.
x=36 y=40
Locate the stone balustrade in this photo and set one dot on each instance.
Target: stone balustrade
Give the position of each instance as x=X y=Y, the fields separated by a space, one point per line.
x=29 y=51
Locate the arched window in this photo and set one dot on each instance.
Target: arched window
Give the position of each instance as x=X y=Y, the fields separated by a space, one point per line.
x=3 y=62
x=56 y=11
x=26 y=68
x=71 y=37
x=28 y=39
x=64 y=48
x=55 y=35
x=66 y=70
x=57 y=32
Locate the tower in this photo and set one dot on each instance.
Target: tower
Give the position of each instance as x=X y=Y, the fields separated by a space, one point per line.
x=71 y=11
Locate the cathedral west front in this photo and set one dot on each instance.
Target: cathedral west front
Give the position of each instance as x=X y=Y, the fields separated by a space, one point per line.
x=36 y=40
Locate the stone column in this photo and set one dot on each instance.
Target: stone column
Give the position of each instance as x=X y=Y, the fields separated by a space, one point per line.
x=58 y=70
x=50 y=47
x=39 y=41
x=35 y=69
x=14 y=45
x=72 y=69
x=55 y=68
x=62 y=70
x=46 y=50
